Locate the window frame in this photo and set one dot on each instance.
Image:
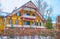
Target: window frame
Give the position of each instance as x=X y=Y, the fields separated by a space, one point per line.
x=27 y=14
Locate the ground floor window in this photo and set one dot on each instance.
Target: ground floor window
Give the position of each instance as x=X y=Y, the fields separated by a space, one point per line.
x=10 y=21
x=27 y=22
x=38 y=23
x=16 y=21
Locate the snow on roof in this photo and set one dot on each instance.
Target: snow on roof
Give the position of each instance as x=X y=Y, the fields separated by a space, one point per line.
x=3 y=13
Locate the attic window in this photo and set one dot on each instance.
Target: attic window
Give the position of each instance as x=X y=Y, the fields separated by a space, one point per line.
x=27 y=14
x=18 y=14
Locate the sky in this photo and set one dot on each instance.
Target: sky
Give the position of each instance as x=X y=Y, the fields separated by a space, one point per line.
x=9 y=6
x=56 y=8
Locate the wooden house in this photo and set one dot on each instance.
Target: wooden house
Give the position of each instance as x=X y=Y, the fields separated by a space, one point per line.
x=26 y=16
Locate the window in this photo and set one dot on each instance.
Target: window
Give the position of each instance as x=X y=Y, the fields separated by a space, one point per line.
x=10 y=21
x=17 y=21
x=18 y=14
x=27 y=14
x=38 y=23
x=27 y=23
x=33 y=23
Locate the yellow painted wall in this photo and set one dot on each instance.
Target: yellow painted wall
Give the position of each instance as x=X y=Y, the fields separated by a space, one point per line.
x=1 y=23
x=14 y=17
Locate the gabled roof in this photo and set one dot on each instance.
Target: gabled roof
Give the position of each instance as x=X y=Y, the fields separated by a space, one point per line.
x=28 y=4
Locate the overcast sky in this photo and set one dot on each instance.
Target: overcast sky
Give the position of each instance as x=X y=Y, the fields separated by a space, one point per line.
x=9 y=5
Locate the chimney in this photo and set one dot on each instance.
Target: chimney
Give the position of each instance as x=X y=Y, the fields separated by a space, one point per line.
x=15 y=9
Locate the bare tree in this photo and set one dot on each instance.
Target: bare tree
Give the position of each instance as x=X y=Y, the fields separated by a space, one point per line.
x=49 y=11
x=42 y=6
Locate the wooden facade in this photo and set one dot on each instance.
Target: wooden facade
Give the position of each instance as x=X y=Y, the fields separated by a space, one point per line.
x=25 y=16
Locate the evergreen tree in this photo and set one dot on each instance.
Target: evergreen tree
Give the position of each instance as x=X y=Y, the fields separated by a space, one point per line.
x=49 y=23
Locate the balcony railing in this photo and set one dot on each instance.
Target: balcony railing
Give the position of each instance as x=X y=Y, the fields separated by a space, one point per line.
x=30 y=17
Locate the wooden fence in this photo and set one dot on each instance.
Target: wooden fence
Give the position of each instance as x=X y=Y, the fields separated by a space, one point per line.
x=32 y=32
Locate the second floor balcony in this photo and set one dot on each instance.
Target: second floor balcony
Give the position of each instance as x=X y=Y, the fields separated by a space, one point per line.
x=24 y=16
